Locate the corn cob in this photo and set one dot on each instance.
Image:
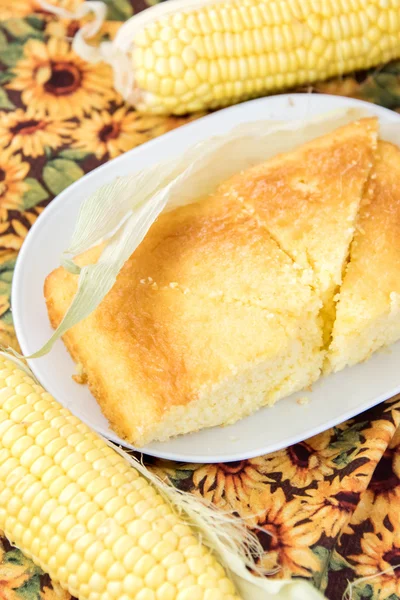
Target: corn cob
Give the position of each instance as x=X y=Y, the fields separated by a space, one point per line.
x=84 y=515
x=200 y=55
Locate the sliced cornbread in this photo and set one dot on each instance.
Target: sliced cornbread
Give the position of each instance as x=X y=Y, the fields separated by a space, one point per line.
x=208 y=320
x=368 y=311
x=308 y=199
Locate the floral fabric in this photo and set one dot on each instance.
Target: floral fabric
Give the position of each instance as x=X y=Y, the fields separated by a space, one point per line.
x=326 y=509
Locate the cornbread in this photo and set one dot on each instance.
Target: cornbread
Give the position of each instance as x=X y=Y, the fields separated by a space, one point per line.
x=208 y=320
x=237 y=300
x=308 y=200
x=368 y=311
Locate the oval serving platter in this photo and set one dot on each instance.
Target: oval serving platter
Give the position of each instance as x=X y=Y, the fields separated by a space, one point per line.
x=333 y=399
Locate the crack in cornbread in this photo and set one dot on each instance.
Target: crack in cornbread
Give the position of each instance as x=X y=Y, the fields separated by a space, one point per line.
x=368 y=308
x=161 y=362
x=308 y=200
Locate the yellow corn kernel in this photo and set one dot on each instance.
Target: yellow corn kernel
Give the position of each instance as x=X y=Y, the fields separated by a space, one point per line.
x=275 y=44
x=80 y=530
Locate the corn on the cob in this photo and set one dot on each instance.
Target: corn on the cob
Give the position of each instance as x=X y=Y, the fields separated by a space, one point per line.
x=84 y=515
x=192 y=56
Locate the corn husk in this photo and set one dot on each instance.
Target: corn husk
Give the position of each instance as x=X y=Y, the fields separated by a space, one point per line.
x=136 y=86
x=122 y=212
x=118 y=52
x=228 y=537
x=236 y=547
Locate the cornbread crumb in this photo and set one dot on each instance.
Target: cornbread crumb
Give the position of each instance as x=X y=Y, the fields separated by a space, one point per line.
x=303 y=401
x=80 y=376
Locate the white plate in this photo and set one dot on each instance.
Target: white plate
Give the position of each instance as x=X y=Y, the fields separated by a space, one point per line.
x=333 y=399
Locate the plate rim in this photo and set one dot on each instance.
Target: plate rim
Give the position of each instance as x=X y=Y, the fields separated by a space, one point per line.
x=59 y=201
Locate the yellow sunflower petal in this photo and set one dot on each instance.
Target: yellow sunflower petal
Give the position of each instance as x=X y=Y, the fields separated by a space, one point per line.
x=387 y=588
x=366 y=570
x=321 y=513
x=11 y=241
x=363 y=559
x=19 y=228
x=119 y=113
x=31 y=217
x=4 y=304
x=290 y=512
x=304 y=557
x=43 y=74
x=371 y=545
x=11 y=572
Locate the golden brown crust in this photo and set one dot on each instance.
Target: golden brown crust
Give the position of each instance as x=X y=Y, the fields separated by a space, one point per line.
x=189 y=307
x=209 y=291
x=308 y=199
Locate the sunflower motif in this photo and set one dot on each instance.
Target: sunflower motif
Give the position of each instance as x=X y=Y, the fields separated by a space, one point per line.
x=286 y=538
x=8 y=339
x=13 y=234
x=54 y=81
x=395 y=442
x=331 y=504
x=379 y=560
x=105 y=133
x=377 y=438
x=22 y=8
x=20 y=131
x=308 y=461
x=383 y=494
x=393 y=404
x=5 y=253
x=4 y=304
x=235 y=486
x=12 y=577
x=12 y=185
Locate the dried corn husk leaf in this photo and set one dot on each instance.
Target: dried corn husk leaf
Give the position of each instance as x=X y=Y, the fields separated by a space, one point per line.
x=123 y=211
x=231 y=541
x=234 y=545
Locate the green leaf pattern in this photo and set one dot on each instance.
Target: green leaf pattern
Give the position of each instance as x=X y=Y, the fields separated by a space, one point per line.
x=60 y=173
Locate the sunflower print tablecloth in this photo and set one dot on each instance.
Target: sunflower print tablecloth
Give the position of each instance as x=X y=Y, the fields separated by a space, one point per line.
x=328 y=509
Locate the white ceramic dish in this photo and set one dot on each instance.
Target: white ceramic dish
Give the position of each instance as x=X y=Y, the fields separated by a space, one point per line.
x=333 y=399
